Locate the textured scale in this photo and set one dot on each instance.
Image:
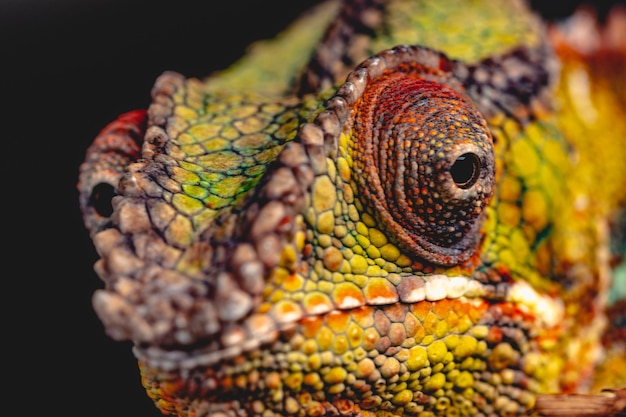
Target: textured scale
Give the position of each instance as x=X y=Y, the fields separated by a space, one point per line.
x=392 y=220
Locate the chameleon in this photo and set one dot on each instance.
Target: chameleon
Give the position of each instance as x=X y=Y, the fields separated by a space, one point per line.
x=389 y=210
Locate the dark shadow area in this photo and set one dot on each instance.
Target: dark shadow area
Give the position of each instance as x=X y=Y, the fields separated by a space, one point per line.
x=67 y=68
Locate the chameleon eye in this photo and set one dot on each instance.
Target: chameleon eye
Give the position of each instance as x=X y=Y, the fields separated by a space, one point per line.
x=424 y=164
x=98 y=180
x=101 y=199
x=117 y=145
x=466 y=170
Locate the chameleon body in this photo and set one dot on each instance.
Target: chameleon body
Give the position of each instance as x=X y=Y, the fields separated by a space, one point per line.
x=366 y=229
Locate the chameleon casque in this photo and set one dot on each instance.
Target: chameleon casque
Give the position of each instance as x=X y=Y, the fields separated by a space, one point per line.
x=391 y=209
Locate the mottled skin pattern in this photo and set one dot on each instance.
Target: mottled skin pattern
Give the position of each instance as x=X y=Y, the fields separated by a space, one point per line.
x=414 y=239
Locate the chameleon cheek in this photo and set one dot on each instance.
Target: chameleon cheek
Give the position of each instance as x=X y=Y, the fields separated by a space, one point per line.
x=424 y=161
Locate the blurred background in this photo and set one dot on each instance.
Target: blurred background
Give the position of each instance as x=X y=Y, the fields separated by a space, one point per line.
x=67 y=68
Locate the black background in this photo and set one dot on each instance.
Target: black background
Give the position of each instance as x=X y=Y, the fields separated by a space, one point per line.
x=67 y=68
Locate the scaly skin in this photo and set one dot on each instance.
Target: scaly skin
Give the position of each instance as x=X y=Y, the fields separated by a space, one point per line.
x=408 y=242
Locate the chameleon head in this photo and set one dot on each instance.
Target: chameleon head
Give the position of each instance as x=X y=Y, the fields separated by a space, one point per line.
x=395 y=173
x=423 y=161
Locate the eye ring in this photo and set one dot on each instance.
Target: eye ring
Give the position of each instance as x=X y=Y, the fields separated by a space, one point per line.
x=424 y=160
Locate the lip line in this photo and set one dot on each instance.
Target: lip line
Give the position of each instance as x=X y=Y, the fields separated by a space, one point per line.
x=548 y=311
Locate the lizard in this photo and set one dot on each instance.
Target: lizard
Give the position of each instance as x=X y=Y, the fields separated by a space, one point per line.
x=389 y=221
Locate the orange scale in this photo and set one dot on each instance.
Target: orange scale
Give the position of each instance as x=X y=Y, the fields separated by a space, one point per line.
x=311 y=326
x=419 y=334
x=293 y=282
x=417 y=266
x=363 y=316
x=507 y=309
x=317 y=303
x=421 y=309
x=347 y=295
x=442 y=308
x=379 y=291
x=495 y=335
x=287 y=311
x=460 y=307
x=428 y=269
x=452 y=319
x=337 y=321
x=430 y=323
x=475 y=312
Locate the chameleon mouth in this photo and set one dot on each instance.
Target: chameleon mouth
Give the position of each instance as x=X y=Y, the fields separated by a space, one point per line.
x=545 y=310
x=548 y=311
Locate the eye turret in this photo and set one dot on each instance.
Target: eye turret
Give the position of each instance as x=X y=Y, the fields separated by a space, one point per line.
x=423 y=163
x=117 y=145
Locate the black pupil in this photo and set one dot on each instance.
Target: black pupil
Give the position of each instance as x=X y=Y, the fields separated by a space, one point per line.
x=465 y=170
x=101 y=196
